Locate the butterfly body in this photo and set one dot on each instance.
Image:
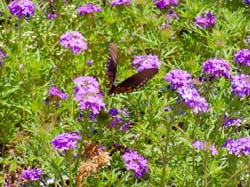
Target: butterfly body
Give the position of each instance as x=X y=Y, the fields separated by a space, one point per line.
x=130 y=84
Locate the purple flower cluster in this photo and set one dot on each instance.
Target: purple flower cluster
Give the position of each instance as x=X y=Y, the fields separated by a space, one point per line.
x=116 y=3
x=193 y=99
x=21 y=8
x=238 y=147
x=66 y=141
x=135 y=162
x=206 y=21
x=164 y=4
x=183 y=83
x=248 y=2
x=232 y=122
x=216 y=68
x=202 y=146
x=88 y=9
x=179 y=78
x=146 y=62
x=2 y=57
x=54 y=92
x=74 y=41
x=242 y=57
x=117 y=119
x=86 y=93
x=32 y=174
x=241 y=85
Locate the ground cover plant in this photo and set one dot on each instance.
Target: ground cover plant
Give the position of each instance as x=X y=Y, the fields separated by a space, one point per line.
x=124 y=93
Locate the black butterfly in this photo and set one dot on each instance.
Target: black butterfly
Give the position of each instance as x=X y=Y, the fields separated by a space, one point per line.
x=130 y=84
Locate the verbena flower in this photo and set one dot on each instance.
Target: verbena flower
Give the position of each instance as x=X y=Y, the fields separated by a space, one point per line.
x=202 y=146
x=241 y=85
x=238 y=147
x=248 y=2
x=66 y=141
x=199 y=145
x=54 y=92
x=248 y=40
x=135 y=162
x=21 y=8
x=74 y=41
x=164 y=4
x=113 y=112
x=213 y=150
x=232 y=122
x=242 y=57
x=118 y=117
x=88 y=9
x=86 y=93
x=87 y=84
x=93 y=103
x=116 y=3
x=32 y=174
x=206 y=21
x=2 y=57
x=52 y=16
x=171 y=16
x=216 y=68
x=146 y=62
x=193 y=99
x=179 y=78
x=90 y=63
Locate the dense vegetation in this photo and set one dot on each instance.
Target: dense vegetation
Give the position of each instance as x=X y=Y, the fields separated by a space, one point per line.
x=187 y=126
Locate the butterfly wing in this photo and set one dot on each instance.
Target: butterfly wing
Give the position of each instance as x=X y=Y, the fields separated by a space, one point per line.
x=134 y=82
x=112 y=64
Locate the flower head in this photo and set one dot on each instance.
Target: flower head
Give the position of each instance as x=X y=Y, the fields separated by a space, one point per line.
x=248 y=37
x=52 y=16
x=2 y=57
x=115 y=3
x=146 y=62
x=206 y=21
x=65 y=141
x=135 y=162
x=198 y=145
x=88 y=9
x=213 y=150
x=193 y=99
x=242 y=57
x=87 y=94
x=248 y=2
x=164 y=4
x=54 y=92
x=32 y=174
x=241 y=85
x=118 y=119
x=92 y=102
x=238 y=147
x=21 y=8
x=232 y=122
x=90 y=63
x=74 y=41
x=179 y=78
x=216 y=68
x=171 y=16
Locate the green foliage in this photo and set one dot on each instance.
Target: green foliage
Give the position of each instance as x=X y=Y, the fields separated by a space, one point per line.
x=27 y=124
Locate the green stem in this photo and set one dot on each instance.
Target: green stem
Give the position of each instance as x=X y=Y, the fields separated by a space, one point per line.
x=58 y=172
x=20 y=41
x=165 y=158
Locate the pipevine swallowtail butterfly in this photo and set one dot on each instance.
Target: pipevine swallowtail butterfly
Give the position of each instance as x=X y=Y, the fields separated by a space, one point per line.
x=130 y=84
